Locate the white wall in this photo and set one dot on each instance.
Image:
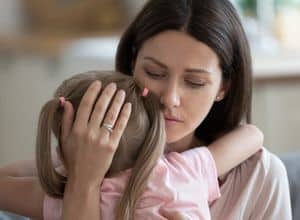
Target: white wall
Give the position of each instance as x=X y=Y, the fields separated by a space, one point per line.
x=276 y=110
x=11 y=18
x=25 y=84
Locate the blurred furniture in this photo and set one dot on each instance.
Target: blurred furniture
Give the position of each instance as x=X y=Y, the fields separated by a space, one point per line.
x=292 y=165
x=276 y=103
x=45 y=44
x=10 y=216
x=70 y=15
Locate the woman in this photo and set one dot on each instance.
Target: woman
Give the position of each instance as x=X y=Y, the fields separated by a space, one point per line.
x=195 y=57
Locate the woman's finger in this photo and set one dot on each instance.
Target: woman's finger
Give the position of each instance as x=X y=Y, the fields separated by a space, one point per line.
x=102 y=105
x=121 y=124
x=86 y=105
x=66 y=127
x=113 y=113
x=67 y=121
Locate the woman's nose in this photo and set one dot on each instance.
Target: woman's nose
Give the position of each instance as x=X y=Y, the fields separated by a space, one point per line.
x=169 y=96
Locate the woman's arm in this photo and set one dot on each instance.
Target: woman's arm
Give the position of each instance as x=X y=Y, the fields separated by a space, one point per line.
x=25 y=168
x=21 y=195
x=235 y=147
x=19 y=169
x=81 y=201
x=20 y=190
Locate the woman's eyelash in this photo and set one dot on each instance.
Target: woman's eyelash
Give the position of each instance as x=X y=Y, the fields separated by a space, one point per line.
x=154 y=74
x=195 y=84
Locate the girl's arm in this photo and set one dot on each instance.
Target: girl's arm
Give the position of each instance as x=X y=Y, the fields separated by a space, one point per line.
x=21 y=195
x=236 y=146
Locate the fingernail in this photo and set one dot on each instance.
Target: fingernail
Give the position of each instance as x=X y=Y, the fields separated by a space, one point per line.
x=97 y=83
x=122 y=92
x=113 y=85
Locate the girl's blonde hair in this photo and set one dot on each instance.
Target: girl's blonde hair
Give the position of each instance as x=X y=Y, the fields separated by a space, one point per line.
x=140 y=147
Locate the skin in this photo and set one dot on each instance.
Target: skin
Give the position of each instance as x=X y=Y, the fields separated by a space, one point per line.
x=188 y=78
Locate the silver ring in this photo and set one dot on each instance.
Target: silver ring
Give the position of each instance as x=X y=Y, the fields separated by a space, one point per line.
x=108 y=127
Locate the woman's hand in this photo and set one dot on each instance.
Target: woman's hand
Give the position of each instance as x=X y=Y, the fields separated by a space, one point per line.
x=87 y=146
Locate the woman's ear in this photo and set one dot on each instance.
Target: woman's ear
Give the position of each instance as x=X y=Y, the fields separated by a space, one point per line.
x=224 y=88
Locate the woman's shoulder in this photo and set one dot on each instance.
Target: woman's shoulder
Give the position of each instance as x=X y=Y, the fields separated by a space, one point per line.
x=261 y=174
x=261 y=166
x=257 y=187
x=262 y=169
x=264 y=164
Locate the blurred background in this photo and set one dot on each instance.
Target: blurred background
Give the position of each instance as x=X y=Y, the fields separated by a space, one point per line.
x=43 y=42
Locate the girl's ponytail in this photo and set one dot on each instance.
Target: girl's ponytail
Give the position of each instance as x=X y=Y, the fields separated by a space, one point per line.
x=51 y=181
x=150 y=152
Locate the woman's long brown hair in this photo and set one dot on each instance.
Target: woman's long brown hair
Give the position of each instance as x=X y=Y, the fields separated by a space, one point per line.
x=140 y=147
x=216 y=24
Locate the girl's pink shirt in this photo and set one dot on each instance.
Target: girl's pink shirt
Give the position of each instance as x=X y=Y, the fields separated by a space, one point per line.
x=181 y=182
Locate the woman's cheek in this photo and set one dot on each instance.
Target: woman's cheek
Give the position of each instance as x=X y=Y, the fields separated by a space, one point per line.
x=202 y=105
x=140 y=80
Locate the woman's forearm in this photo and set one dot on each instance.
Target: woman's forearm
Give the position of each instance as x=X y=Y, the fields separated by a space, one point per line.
x=20 y=168
x=24 y=168
x=81 y=201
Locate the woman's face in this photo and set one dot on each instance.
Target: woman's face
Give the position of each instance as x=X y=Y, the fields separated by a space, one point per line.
x=185 y=74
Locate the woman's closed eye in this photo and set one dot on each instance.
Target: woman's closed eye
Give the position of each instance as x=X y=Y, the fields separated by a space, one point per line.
x=154 y=75
x=191 y=83
x=196 y=84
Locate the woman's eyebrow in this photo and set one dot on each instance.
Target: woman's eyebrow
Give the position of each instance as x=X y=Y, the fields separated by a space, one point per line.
x=156 y=62
x=192 y=70
x=189 y=70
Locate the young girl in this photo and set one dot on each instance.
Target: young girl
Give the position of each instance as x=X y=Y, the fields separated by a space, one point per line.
x=145 y=180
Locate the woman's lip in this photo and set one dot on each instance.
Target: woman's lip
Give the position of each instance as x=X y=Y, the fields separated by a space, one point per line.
x=172 y=119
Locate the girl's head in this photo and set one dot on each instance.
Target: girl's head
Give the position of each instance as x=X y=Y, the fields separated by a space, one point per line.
x=141 y=144
x=194 y=55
